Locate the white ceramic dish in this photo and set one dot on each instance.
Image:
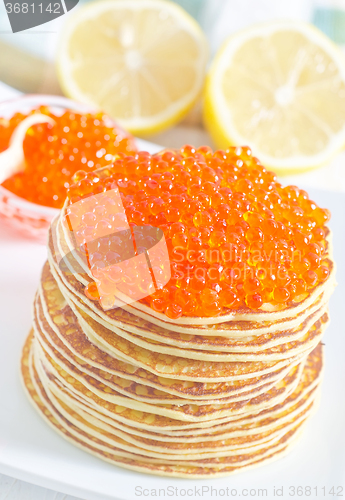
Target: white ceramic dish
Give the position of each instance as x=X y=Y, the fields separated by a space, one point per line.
x=32 y=451
x=31 y=219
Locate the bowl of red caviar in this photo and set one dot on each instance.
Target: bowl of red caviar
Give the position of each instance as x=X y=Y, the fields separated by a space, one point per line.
x=80 y=139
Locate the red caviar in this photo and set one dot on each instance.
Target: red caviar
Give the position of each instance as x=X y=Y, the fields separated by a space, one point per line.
x=236 y=238
x=54 y=153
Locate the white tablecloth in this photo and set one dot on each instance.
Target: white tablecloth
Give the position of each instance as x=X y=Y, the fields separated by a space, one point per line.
x=12 y=489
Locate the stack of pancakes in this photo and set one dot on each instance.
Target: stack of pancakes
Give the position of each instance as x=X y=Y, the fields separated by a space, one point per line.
x=194 y=397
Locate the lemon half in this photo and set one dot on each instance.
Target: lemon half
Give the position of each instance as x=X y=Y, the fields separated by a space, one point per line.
x=279 y=87
x=141 y=61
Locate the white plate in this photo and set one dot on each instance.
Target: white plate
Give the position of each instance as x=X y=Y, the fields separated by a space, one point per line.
x=32 y=451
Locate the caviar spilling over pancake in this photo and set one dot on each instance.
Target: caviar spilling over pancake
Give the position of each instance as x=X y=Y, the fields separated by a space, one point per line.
x=53 y=153
x=236 y=237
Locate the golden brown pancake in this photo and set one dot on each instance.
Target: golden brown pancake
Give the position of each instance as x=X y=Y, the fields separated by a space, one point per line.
x=196 y=468
x=60 y=352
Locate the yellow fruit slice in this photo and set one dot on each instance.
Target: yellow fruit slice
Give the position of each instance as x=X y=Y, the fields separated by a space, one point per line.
x=141 y=61
x=280 y=88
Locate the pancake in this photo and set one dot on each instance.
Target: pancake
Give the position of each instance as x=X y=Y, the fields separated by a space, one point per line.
x=291 y=406
x=181 y=452
x=52 y=344
x=140 y=419
x=224 y=466
x=218 y=436
x=243 y=429
x=231 y=429
x=141 y=332
x=236 y=418
x=123 y=342
x=103 y=396
x=69 y=340
x=179 y=368
x=65 y=325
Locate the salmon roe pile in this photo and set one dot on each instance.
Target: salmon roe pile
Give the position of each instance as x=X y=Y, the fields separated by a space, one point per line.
x=53 y=153
x=236 y=237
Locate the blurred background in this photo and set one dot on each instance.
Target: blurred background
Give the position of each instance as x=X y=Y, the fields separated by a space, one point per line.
x=27 y=59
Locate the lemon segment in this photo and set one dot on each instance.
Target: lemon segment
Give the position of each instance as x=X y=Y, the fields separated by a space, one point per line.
x=141 y=61
x=280 y=88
